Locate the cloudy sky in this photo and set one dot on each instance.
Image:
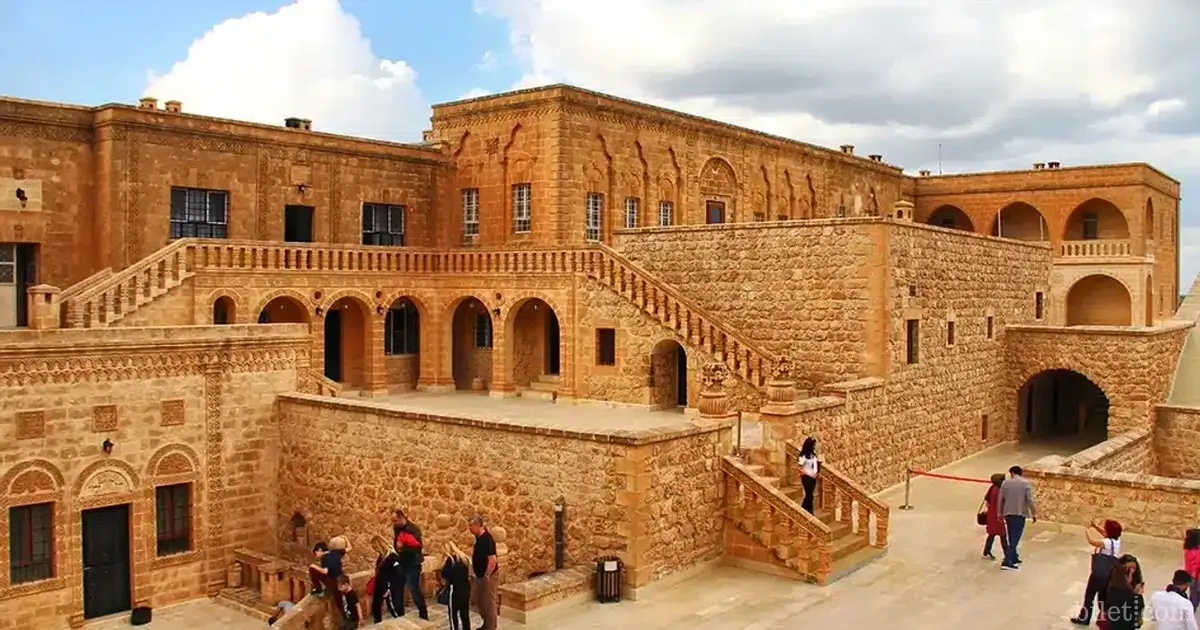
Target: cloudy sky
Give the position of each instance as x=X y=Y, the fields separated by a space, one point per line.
x=998 y=84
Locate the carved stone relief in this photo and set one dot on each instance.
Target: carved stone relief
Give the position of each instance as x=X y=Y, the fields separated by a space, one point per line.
x=104 y=482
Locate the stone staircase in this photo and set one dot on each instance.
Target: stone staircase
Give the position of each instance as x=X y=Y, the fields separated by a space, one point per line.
x=106 y=298
x=544 y=387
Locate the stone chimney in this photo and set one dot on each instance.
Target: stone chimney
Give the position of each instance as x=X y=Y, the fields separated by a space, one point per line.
x=292 y=123
x=1037 y=166
x=175 y=107
x=848 y=149
x=306 y=124
x=924 y=173
x=1052 y=164
x=875 y=157
x=148 y=102
x=902 y=210
x=44 y=307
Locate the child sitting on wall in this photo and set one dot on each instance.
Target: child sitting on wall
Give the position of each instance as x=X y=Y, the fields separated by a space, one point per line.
x=318 y=573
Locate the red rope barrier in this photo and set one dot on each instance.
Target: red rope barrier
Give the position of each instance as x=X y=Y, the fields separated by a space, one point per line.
x=949 y=477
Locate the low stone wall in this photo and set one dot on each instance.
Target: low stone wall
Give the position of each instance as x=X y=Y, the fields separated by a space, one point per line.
x=1131 y=452
x=652 y=498
x=1177 y=441
x=528 y=601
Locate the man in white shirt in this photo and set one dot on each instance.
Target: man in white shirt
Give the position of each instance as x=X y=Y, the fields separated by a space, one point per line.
x=1171 y=608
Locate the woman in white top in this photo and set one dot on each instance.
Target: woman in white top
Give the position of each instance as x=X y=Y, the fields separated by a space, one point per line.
x=810 y=467
x=1105 y=540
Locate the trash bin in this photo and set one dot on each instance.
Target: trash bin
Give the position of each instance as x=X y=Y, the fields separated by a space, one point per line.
x=608 y=579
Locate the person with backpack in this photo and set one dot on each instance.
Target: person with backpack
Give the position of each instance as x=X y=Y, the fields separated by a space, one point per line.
x=1105 y=540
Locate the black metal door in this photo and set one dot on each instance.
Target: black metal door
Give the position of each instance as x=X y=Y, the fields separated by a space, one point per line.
x=552 y=343
x=26 y=277
x=333 y=345
x=105 y=561
x=681 y=393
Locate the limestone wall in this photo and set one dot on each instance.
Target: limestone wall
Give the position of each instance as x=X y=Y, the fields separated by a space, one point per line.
x=179 y=405
x=346 y=464
x=1177 y=441
x=1131 y=452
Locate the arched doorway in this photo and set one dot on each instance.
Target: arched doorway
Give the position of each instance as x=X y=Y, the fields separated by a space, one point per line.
x=535 y=346
x=1099 y=300
x=402 y=343
x=1148 y=220
x=224 y=311
x=1096 y=219
x=1020 y=221
x=347 y=327
x=283 y=310
x=471 y=345
x=668 y=375
x=951 y=217
x=1063 y=404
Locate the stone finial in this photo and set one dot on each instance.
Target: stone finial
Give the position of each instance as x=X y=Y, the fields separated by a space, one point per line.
x=148 y=102
x=848 y=149
x=783 y=370
x=174 y=107
x=714 y=402
x=902 y=210
x=714 y=375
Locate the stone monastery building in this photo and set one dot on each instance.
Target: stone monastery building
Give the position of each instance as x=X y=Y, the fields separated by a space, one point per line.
x=221 y=342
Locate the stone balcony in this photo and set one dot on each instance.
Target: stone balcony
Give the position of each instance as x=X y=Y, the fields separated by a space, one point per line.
x=1114 y=250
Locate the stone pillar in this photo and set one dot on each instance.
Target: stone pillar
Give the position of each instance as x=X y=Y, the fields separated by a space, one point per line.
x=44 y=309
x=778 y=415
x=714 y=401
x=503 y=339
x=374 y=361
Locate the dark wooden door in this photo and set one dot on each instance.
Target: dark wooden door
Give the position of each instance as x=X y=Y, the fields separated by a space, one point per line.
x=715 y=212
x=106 y=561
x=333 y=345
x=298 y=224
x=681 y=393
x=552 y=343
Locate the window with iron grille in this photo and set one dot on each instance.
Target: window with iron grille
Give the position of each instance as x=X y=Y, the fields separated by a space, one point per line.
x=632 y=206
x=913 y=338
x=31 y=543
x=595 y=212
x=483 y=331
x=666 y=213
x=470 y=210
x=199 y=213
x=401 y=330
x=174 y=516
x=382 y=224
x=522 y=211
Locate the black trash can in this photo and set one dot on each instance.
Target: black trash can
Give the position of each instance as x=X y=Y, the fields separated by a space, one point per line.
x=140 y=616
x=608 y=579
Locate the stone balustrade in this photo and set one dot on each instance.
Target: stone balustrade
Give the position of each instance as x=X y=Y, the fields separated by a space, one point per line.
x=1099 y=248
x=847 y=500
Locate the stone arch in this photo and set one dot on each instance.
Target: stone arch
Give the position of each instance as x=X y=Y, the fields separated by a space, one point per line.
x=1061 y=403
x=106 y=476
x=666 y=193
x=1095 y=219
x=34 y=476
x=173 y=459
x=292 y=303
x=1099 y=300
x=365 y=300
x=469 y=359
x=348 y=321
x=1148 y=220
x=533 y=337
x=718 y=177
x=668 y=374
x=1021 y=221
x=405 y=338
x=951 y=216
x=226 y=305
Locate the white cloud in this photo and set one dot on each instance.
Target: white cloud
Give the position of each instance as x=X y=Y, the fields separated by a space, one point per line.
x=487 y=61
x=475 y=93
x=310 y=60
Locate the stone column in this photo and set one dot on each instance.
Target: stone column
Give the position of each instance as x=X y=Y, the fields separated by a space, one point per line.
x=778 y=415
x=374 y=360
x=44 y=309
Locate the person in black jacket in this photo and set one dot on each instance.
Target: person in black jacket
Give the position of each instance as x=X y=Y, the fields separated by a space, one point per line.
x=408 y=545
x=387 y=567
x=1120 y=602
x=457 y=582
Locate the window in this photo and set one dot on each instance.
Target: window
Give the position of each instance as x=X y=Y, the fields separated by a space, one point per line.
x=950 y=333
x=1091 y=226
x=522 y=212
x=606 y=346
x=914 y=340
x=174 y=515
x=470 y=210
x=382 y=224
x=991 y=329
x=199 y=213
x=841 y=211
x=666 y=213
x=912 y=290
x=401 y=330
x=483 y=330
x=31 y=543
x=595 y=210
x=632 y=205
x=983 y=428
x=1039 y=305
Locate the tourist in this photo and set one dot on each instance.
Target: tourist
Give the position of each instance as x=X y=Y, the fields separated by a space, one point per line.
x=992 y=519
x=810 y=467
x=318 y=572
x=1118 y=611
x=1191 y=564
x=457 y=582
x=351 y=610
x=486 y=565
x=1138 y=583
x=282 y=608
x=408 y=544
x=1172 y=608
x=387 y=569
x=1016 y=505
x=1105 y=540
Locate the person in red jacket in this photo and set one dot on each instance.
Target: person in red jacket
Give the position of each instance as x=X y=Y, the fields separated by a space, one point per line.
x=995 y=522
x=408 y=543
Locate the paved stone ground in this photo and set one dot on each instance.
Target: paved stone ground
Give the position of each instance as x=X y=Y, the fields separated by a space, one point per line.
x=202 y=614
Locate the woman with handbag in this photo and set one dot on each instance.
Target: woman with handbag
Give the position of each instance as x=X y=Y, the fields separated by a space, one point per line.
x=455 y=591
x=1105 y=540
x=989 y=517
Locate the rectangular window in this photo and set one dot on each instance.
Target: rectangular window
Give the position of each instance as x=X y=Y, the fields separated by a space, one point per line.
x=714 y=212
x=666 y=213
x=632 y=206
x=606 y=346
x=595 y=212
x=522 y=208
x=401 y=332
x=31 y=543
x=483 y=330
x=990 y=327
x=1091 y=226
x=913 y=339
x=470 y=210
x=1039 y=305
x=983 y=428
x=199 y=213
x=950 y=333
x=174 y=515
x=382 y=224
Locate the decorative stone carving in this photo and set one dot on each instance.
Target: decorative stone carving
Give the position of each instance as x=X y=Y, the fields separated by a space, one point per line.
x=104 y=418
x=173 y=412
x=714 y=375
x=492 y=146
x=173 y=464
x=106 y=481
x=31 y=424
x=31 y=482
x=714 y=401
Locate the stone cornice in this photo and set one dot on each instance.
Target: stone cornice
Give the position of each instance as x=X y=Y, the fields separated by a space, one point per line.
x=1113 y=331
x=1032 y=180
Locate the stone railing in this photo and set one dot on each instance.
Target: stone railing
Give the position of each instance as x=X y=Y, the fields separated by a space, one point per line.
x=1095 y=249
x=214 y=255
x=274 y=580
x=848 y=501
x=794 y=537
x=103 y=298
x=326 y=386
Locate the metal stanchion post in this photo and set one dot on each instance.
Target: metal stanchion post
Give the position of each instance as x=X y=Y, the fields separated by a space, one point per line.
x=907 y=489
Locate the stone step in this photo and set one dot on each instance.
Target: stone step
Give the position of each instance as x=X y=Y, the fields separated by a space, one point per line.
x=846 y=545
x=537 y=394
x=544 y=386
x=555 y=379
x=853 y=562
x=246 y=601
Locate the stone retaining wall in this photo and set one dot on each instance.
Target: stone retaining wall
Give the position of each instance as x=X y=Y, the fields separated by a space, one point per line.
x=1177 y=441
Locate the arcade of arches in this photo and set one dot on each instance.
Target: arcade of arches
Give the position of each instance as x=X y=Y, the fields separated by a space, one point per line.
x=1062 y=404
